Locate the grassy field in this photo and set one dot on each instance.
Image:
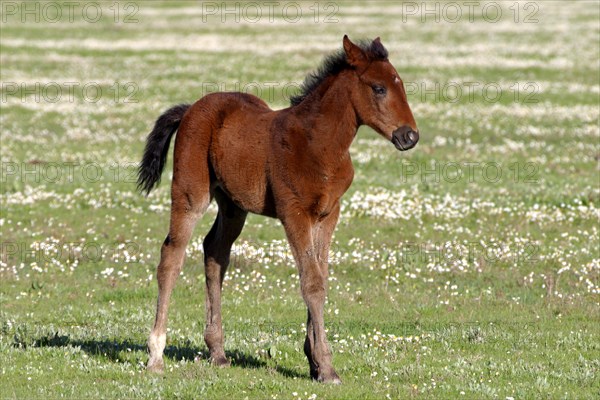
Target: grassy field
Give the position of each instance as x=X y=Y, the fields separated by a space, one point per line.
x=468 y=267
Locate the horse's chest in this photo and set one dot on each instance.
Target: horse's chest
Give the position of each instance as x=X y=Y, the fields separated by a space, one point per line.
x=330 y=190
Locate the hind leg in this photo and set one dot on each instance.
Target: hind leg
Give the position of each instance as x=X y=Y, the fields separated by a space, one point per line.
x=186 y=208
x=217 y=249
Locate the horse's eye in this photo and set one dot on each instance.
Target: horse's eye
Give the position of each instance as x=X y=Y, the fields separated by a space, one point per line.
x=379 y=90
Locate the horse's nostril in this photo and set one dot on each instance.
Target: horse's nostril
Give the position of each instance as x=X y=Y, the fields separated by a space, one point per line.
x=413 y=136
x=405 y=138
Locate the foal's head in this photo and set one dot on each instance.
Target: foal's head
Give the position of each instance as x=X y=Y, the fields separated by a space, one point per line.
x=378 y=96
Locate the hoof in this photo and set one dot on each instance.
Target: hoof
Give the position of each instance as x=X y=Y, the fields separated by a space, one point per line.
x=156 y=366
x=220 y=361
x=331 y=378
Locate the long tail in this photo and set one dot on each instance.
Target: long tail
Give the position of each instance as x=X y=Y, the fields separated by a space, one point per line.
x=157 y=148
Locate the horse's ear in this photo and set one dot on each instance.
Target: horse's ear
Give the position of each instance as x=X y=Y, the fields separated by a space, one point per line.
x=354 y=54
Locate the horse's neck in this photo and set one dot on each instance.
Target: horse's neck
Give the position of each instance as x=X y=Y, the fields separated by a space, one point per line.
x=332 y=120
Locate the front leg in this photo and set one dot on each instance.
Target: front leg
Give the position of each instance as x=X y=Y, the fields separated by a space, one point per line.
x=307 y=239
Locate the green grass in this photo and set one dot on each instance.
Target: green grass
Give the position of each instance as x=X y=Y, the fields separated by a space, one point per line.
x=445 y=282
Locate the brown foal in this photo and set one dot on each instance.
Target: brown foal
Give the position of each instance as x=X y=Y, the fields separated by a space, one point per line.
x=292 y=164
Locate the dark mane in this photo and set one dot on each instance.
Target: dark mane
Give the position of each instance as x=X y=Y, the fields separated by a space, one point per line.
x=335 y=63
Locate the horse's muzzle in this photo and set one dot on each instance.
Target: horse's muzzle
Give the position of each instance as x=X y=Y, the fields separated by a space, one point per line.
x=404 y=138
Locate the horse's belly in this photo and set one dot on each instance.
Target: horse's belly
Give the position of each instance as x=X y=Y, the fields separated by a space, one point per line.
x=240 y=171
x=247 y=191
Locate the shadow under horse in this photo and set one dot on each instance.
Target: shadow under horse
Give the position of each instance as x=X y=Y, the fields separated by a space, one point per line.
x=112 y=349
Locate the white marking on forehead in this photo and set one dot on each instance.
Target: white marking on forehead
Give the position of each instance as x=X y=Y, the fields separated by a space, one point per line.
x=396 y=80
